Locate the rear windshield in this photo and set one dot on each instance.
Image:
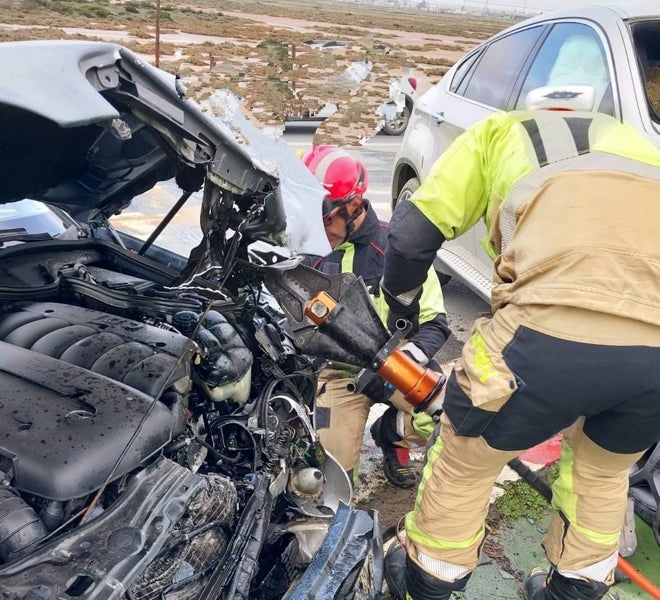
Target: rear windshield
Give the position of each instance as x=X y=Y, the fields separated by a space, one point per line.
x=647 y=43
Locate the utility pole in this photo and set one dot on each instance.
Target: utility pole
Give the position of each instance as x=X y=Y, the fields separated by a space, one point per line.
x=157 y=33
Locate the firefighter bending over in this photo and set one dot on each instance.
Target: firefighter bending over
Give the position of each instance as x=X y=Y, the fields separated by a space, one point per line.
x=358 y=240
x=570 y=202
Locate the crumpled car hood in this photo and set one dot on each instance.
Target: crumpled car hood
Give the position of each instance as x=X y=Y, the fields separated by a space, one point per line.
x=108 y=126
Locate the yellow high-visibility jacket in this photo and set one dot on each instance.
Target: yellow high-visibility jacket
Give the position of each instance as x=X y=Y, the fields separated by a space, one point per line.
x=571 y=202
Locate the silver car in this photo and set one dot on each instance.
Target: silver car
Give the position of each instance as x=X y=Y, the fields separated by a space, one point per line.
x=615 y=49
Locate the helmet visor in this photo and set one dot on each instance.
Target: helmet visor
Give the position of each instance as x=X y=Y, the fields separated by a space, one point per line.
x=333 y=208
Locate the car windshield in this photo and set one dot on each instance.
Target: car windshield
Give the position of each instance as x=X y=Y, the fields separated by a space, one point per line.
x=30 y=217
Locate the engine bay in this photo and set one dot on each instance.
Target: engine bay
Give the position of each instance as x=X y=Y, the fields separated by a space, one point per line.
x=153 y=429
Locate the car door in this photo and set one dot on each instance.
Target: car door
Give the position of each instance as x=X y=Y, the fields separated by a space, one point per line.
x=568 y=52
x=637 y=68
x=448 y=115
x=481 y=84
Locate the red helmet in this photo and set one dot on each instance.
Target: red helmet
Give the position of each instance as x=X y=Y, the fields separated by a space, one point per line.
x=339 y=173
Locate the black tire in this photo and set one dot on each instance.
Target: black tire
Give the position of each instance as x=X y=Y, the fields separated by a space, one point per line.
x=398 y=124
x=406 y=191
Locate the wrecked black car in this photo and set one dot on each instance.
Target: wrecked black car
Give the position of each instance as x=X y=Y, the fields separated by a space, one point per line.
x=156 y=421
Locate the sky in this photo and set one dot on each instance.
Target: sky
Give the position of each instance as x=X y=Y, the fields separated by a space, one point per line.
x=521 y=5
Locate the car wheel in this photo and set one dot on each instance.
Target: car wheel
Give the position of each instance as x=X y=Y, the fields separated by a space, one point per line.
x=398 y=124
x=406 y=191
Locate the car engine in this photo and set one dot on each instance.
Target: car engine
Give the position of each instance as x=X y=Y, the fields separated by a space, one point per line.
x=157 y=441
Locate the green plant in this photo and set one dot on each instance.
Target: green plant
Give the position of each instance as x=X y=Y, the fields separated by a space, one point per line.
x=521 y=500
x=100 y=11
x=34 y=4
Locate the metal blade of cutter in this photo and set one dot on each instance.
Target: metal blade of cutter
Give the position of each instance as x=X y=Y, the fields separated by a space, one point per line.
x=353 y=334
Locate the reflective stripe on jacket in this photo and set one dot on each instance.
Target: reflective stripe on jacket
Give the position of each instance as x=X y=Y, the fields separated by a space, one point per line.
x=571 y=202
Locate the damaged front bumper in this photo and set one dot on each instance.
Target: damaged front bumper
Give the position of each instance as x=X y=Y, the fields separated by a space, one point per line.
x=349 y=563
x=116 y=554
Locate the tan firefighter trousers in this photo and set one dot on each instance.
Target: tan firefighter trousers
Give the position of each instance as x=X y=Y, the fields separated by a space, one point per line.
x=525 y=375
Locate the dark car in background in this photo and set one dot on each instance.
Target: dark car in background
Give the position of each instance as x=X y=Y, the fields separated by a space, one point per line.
x=156 y=436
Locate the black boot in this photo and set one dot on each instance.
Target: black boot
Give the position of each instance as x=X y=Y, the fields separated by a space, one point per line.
x=405 y=579
x=541 y=585
x=395 y=460
x=395 y=570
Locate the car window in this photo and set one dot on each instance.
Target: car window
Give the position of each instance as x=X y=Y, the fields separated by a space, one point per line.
x=30 y=216
x=652 y=81
x=462 y=70
x=572 y=53
x=647 y=46
x=494 y=75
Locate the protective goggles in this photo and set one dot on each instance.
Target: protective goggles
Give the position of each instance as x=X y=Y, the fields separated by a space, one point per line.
x=334 y=208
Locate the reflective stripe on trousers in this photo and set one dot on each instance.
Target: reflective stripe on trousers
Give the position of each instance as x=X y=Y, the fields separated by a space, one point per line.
x=512 y=389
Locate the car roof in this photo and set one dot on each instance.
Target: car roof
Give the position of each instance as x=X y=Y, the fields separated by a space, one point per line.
x=626 y=10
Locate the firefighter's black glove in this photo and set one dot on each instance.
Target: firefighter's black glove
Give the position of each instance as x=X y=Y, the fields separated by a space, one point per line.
x=403 y=308
x=377 y=389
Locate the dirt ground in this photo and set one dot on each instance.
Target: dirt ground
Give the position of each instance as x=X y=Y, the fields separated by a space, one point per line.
x=374 y=491
x=260 y=52
x=377 y=493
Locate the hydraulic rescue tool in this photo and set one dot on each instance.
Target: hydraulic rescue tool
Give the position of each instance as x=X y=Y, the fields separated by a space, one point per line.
x=333 y=317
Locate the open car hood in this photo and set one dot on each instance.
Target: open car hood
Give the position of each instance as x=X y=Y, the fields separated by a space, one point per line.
x=87 y=126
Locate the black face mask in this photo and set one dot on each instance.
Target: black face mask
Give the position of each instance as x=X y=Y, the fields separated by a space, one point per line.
x=342 y=212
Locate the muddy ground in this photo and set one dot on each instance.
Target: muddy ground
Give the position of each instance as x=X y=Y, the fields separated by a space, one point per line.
x=260 y=50
x=392 y=503
x=374 y=491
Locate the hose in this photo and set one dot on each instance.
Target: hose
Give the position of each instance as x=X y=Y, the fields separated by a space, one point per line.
x=544 y=490
x=637 y=578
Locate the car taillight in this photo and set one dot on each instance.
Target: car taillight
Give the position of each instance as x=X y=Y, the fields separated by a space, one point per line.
x=413 y=82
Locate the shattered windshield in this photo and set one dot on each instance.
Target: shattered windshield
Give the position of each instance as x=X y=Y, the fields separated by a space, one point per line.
x=300 y=192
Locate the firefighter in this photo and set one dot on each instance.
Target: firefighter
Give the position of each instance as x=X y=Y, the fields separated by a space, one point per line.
x=358 y=238
x=570 y=203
